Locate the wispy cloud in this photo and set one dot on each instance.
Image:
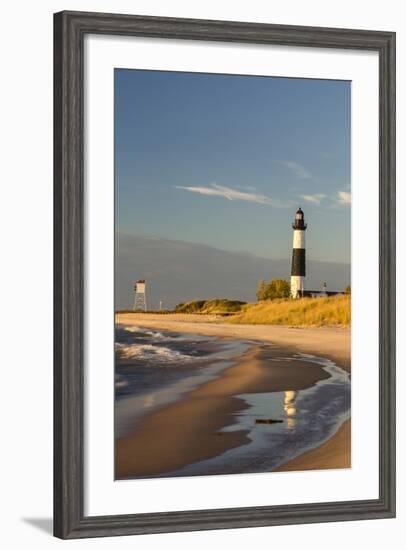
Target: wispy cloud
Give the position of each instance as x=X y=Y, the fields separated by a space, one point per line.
x=340 y=198
x=231 y=194
x=343 y=197
x=315 y=199
x=247 y=187
x=299 y=170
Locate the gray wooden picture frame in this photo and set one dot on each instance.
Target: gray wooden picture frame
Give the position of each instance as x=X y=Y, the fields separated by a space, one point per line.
x=69 y=31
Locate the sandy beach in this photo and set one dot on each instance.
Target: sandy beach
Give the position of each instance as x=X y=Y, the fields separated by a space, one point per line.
x=187 y=431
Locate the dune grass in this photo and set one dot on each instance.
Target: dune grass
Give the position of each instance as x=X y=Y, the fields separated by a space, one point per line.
x=333 y=311
x=216 y=306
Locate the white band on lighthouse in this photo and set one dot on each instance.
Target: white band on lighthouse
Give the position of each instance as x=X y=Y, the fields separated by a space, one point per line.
x=299 y=238
x=296 y=285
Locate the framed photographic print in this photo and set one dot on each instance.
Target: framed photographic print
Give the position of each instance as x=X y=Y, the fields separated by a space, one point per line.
x=224 y=274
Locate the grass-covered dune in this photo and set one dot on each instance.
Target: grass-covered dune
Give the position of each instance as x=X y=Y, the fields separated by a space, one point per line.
x=216 y=306
x=333 y=311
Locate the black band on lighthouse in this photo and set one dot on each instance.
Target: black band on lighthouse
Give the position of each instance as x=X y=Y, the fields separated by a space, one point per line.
x=299 y=262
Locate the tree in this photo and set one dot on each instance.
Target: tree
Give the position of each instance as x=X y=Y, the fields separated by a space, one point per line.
x=261 y=290
x=277 y=288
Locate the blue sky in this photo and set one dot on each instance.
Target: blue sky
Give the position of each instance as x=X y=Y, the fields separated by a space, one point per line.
x=226 y=160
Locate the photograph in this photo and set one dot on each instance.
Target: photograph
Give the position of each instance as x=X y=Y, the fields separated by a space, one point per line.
x=232 y=274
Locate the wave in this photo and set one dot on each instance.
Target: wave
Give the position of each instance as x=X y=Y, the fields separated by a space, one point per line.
x=148 y=352
x=120 y=382
x=155 y=335
x=152 y=333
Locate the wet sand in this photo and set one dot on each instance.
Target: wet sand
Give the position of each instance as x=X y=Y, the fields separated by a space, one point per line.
x=187 y=431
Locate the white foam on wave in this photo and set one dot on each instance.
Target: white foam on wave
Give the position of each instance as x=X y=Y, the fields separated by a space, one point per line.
x=150 y=352
x=152 y=333
x=155 y=335
x=120 y=382
x=132 y=329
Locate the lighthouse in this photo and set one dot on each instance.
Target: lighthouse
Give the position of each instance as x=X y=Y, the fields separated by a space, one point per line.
x=298 y=272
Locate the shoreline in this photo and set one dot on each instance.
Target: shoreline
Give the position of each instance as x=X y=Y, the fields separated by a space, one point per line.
x=330 y=342
x=161 y=443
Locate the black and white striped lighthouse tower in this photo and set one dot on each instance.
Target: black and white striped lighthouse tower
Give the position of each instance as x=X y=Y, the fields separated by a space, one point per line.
x=298 y=272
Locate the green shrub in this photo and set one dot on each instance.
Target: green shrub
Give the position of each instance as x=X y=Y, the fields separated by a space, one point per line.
x=216 y=306
x=277 y=288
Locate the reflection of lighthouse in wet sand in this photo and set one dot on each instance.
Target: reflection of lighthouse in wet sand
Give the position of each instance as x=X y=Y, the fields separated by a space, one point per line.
x=289 y=404
x=298 y=272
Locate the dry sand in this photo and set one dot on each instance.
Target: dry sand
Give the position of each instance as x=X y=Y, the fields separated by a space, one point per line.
x=187 y=431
